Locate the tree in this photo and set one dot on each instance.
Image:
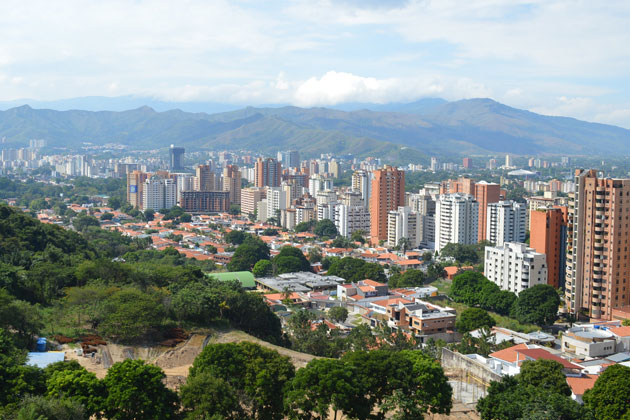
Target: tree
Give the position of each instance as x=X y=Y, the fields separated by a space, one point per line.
x=212 y=249
x=107 y=216
x=131 y=313
x=473 y=318
x=608 y=399
x=149 y=215
x=354 y=269
x=325 y=227
x=252 y=250
x=114 y=202
x=540 y=391
x=291 y=260
x=255 y=375
x=39 y=407
x=410 y=278
x=427 y=256
x=78 y=385
x=263 y=268
x=82 y=222
x=546 y=375
x=315 y=255
x=321 y=386
x=205 y=396
x=358 y=236
x=135 y=392
x=304 y=226
x=235 y=237
x=338 y=314
x=234 y=209
x=537 y=305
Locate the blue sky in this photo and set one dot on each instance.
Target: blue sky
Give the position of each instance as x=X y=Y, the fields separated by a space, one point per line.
x=554 y=57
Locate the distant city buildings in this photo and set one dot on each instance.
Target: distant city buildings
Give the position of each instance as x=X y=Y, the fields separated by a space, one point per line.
x=176 y=158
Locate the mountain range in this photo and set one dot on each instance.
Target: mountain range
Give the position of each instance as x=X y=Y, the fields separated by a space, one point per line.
x=400 y=132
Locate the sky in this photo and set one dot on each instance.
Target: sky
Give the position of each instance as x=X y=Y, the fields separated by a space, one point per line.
x=569 y=58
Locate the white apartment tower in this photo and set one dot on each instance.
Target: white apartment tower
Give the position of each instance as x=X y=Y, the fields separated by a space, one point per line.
x=506 y=222
x=515 y=267
x=349 y=219
x=456 y=220
x=159 y=194
x=403 y=223
x=361 y=182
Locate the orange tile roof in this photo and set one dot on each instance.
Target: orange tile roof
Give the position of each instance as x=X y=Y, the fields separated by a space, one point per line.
x=580 y=385
x=409 y=262
x=370 y=282
x=509 y=354
x=621 y=331
x=391 y=301
x=544 y=354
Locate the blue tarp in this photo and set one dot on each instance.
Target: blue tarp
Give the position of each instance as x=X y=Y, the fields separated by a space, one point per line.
x=43 y=359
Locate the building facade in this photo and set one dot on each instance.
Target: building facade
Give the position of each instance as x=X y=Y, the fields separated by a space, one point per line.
x=515 y=267
x=548 y=235
x=388 y=193
x=205 y=201
x=506 y=222
x=159 y=193
x=232 y=183
x=267 y=172
x=349 y=219
x=403 y=223
x=456 y=220
x=597 y=272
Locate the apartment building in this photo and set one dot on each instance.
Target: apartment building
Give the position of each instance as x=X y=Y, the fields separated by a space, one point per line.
x=597 y=257
x=515 y=267
x=456 y=220
x=506 y=222
x=403 y=223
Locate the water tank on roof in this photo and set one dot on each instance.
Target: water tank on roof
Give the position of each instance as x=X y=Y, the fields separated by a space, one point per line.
x=41 y=344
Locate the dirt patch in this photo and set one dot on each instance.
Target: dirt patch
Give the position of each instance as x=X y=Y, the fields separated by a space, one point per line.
x=298 y=359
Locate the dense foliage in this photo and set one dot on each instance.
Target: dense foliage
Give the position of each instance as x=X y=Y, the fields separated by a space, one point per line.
x=537 y=305
x=473 y=318
x=609 y=398
x=355 y=269
x=540 y=391
x=465 y=254
x=473 y=289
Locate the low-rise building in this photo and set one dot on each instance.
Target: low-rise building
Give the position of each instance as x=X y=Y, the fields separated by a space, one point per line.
x=589 y=341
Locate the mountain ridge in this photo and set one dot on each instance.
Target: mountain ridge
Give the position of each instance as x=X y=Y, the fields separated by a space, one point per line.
x=427 y=127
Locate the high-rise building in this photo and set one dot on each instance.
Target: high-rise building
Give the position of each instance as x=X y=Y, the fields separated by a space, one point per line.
x=361 y=183
x=205 y=178
x=205 y=201
x=250 y=197
x=597 y=272
x=548 y=235
x=506 y=222
x=388 y=193
x=485 y=193
x=403 y=223
x=176 y=158
x=508 y=161
x=334 y=168
x=424 y=204
x=159 y=193
x=456 y=220
x=232 y=183
x=349 y=219
x=326 y=202
x=276 y=201
x=435 y=164
x=135 y=184
x=467 y=162
x=185 y=182
x=268 y=173
x=289 y=159
x=514 y=267
x=319 y=183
